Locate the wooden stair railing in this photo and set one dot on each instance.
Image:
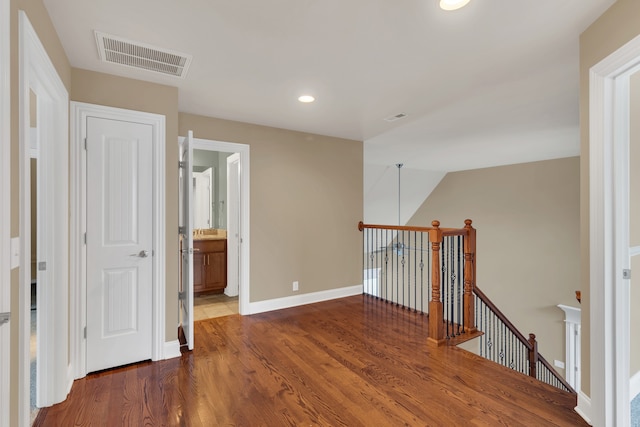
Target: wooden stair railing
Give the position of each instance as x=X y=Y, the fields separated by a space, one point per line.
x=499 y=329
x=390 y=252
x=449 y=308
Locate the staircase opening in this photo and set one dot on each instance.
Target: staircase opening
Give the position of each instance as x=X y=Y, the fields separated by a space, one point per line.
x=432 y=270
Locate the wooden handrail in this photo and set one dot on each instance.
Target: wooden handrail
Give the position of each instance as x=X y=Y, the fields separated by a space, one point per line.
x=531 y=344
x=502 y=317
x=542 y=360
x=436 y=236
x=444 y=231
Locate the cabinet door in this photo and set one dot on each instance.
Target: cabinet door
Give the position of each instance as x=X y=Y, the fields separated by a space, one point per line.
x=199 y=260
x=216 y=270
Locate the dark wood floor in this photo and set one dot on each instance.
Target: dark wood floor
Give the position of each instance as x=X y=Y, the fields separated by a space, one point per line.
x=348 y=362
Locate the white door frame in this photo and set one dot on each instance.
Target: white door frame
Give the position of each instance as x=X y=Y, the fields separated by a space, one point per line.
x=78 y=309
x=245 y=241
x=5 y=206
x=609 y=84
x=37 y=73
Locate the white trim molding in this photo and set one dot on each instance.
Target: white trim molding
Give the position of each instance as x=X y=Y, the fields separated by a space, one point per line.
x=171 y=349
x=78 y=312
x=303 y=299
x=573 y=340
x=5 y=207
x=584 y=407
x=37 y=74
x=609 y=83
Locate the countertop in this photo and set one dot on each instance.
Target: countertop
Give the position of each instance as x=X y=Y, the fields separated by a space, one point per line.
x=209 y=234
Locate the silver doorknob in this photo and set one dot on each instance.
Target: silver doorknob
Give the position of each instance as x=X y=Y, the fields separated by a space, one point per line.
x=141 y=254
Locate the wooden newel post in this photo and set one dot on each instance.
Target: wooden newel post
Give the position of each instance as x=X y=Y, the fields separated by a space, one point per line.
x=436 y=314
x=533 y=355
x=469 y=314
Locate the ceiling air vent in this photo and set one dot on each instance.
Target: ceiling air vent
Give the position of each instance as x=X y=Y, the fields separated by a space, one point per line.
x=118 y=50
x=396 y=117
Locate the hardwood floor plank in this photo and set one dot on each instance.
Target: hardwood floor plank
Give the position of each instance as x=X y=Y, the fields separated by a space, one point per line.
x=354 y=361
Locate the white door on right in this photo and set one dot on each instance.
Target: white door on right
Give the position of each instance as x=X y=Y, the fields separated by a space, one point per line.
x=233 y=225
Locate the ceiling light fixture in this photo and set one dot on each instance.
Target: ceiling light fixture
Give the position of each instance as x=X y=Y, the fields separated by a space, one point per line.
x=453 y=4
x=306 y=98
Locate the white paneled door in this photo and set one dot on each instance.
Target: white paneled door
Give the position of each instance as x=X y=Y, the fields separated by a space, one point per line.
x=233 y=225
x=186 y=234
x=119 y=242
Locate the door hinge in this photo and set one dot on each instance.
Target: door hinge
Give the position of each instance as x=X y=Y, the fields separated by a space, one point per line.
x=182 y=165
x=85 y=332
x=182 y=295
x=182 y=230
x=85 y=143
x=4 y=318
x=85 y=238
x=42 y=266
x=626 y=273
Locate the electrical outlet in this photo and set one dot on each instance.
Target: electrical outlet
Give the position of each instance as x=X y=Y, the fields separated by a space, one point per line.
x=558 y=364
x=295 y=286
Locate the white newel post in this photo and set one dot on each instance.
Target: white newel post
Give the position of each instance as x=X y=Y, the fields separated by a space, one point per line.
x=572 y=334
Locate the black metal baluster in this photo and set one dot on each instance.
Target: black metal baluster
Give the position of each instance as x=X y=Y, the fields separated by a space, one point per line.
x=429 y=265
x=386 y=265
x=415 y=271
x=378 y=264
x=451 y=274
x=503 y=346
x=404 y=273
x=364 y=254
x=397 y=281
x=371 y=236
x=460 y=285
x=485 y=330
x=422 y=273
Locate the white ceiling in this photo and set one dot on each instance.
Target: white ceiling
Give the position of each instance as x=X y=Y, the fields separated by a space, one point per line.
x=493 y=83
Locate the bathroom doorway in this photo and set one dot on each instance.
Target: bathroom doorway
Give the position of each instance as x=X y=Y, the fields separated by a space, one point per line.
x=221 y=247
x=213 y=296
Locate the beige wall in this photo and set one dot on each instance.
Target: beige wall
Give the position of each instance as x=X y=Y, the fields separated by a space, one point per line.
x=527 y=218
x=306 y=201
x=113 y=91
x=44 y=28
x=614 y=28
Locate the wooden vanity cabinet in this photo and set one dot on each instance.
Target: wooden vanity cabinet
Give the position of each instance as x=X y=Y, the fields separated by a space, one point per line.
x=209 y=266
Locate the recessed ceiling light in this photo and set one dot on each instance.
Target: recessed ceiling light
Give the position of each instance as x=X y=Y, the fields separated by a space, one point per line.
x=306 y=98
x=453 y=4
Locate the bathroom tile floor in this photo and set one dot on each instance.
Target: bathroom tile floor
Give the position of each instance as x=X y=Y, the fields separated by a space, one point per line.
x=216 y=305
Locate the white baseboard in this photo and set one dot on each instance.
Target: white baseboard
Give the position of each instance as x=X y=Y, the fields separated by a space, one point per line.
x=634 y=385
x=70 y=379
x=171 y=349
x=584 y=407
x=302 y=299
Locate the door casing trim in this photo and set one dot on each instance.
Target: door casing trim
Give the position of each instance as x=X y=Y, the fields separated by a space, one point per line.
x=5 y=206
x=609 y=84
x=78 y=257
x=37 y=73
x=244 y=305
